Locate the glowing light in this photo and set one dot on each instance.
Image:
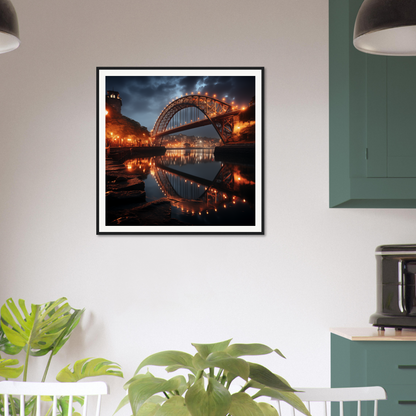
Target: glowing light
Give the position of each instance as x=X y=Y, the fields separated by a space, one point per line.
x=223 y=99
x=106 y=112
x=199 y=92
x=214 y=95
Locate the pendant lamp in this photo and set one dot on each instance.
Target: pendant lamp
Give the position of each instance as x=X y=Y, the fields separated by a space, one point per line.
x=386 y=27
x=9 y=28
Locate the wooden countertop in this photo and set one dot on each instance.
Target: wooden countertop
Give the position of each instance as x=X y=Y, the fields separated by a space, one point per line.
x=373 y=334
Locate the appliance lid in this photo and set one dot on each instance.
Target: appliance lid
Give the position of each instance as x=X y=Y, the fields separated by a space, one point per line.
x=396 y=250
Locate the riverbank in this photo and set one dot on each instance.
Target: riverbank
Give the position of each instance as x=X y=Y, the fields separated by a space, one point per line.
x=126 y=198
x=121 y=154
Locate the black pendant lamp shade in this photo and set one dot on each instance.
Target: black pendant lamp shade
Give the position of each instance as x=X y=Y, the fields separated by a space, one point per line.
x=9 y=28
x=386 y=27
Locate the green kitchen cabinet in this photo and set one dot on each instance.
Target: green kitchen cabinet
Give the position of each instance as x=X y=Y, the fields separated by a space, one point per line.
x=389 y=363
x=372 y=121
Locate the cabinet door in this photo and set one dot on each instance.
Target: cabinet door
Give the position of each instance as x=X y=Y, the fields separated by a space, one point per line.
x=372 y=121
x=391 y=117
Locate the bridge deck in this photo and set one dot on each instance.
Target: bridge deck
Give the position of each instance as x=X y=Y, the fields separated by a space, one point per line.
x=195 y=124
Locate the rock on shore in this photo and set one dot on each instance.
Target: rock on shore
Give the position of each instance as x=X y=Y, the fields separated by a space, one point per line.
x=152 y=213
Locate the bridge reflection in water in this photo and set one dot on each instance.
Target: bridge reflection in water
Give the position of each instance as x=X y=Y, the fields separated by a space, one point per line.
x=201 y=190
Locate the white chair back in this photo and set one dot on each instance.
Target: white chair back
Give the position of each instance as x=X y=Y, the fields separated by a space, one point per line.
x=340 y=395
x=22 y=390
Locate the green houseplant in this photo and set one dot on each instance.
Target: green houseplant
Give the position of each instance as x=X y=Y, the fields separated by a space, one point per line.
x=38 y=331
x=206 y=390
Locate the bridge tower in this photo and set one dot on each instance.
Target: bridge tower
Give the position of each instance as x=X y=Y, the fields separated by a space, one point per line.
x=113 y=101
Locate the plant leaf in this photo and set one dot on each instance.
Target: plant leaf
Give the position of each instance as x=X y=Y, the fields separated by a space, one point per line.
x=89 y=367
x=237 y=366
x=206 y=349
x=124 y=401
x=167 y=358
x=238 y=350
x=7 y=371
x=144 y=387
x=243 y=405
x=61 y=340
x=173 y=407
x=148 y=409
x=267 y=409
x=6 y=346
x=215 y=401
x=136 y=378
x=37 y=329
x=267 y=378
x=286 y=396
x=172 y=368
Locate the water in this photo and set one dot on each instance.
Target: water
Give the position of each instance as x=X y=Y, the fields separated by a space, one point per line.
x=202 y=191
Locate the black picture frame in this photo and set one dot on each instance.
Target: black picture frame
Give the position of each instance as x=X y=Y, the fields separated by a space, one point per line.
x=238 y=153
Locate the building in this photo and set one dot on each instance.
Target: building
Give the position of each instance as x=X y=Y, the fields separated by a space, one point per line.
x=113 y=101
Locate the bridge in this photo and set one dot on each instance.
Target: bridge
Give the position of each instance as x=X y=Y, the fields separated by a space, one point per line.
x=194 y=110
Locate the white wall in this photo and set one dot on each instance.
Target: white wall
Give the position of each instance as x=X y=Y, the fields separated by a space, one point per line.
x=315 y=267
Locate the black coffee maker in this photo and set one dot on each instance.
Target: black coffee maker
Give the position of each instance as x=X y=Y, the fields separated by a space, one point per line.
x=396 y=290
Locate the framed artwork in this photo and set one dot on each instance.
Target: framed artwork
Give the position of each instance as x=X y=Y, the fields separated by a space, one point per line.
x=180 y=150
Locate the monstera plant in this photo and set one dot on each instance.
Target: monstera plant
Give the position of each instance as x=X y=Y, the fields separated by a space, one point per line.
x=40 y=330
x=207 y=389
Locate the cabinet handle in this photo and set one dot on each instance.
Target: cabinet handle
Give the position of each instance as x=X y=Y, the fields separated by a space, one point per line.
x=407 y=402
x=407 y=367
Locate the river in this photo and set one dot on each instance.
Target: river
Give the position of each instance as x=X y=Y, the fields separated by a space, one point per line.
x=202 y=190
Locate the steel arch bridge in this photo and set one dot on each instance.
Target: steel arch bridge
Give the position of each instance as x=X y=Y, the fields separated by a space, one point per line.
x=218 y=113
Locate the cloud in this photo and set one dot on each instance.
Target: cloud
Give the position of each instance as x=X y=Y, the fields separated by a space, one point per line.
x=144 y=97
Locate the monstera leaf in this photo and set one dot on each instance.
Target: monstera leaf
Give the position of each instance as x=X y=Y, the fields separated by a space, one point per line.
x=70 y=325
x=63 y=404
x=6 y=369
x=89 y=367
x=38 y=329
x=6 y=346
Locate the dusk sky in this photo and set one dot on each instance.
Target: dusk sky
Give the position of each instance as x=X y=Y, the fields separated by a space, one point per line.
x=144 y=97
